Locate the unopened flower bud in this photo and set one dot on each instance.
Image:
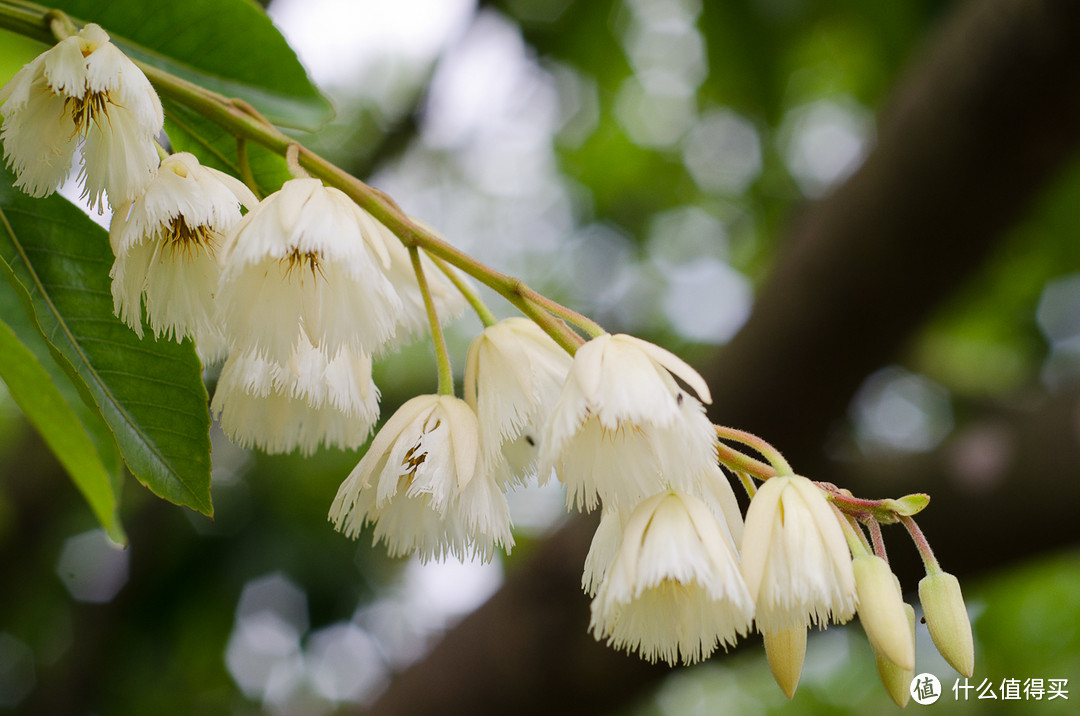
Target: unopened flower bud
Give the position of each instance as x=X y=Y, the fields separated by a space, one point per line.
x=947 y=619
x=881 y=610
x=785 y=651
x=897 y=681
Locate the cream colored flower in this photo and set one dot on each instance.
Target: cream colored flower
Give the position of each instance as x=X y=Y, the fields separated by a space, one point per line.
x=513 y=376
x=623 y=429
x=881 y=611
x=794 y=557
x=166 y=245
x=421 y=484
x=947 y=620
x=82 y=88
x=307 y=260
x=673 y=590
x=302 y=404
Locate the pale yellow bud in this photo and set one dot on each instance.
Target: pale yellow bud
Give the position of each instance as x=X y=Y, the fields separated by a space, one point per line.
x=881 y=610
x=785 y=651
x=947 y=619
x=897 y=681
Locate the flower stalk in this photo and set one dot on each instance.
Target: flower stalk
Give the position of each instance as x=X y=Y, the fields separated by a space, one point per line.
x=927 y=554
x=442 y=355
x=471 y=296
x=243 y=161
x=779 y=465
x=740 y=462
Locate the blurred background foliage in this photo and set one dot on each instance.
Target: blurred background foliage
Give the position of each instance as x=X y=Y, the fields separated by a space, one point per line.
x=639 y=160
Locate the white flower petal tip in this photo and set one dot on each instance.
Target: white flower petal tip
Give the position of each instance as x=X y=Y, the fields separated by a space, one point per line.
x=423 y=486
x=795 y=558
x=307 y=403
x=82 y=88
x=166 y=244
x=673 y=591
x=623 y=428
x=307 y=260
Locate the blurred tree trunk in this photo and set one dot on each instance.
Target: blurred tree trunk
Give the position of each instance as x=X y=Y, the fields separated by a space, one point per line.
x=983 y=120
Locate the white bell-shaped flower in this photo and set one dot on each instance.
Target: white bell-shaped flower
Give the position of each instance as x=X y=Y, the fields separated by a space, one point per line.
x=623 y=428
x=673 y=590
x=82 y=88
x=422 y=485
x=166 y=244
x=307 y=260
x=307 y=402
x=514 y=374
x=795 y=558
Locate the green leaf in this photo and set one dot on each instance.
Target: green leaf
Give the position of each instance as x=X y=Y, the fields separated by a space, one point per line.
x=149 y=392
x=58 y=415
x=908 y=505
x=229 y=46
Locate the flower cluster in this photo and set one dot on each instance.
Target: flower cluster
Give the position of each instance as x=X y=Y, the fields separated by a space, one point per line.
x=297 y=294
x=299 y=291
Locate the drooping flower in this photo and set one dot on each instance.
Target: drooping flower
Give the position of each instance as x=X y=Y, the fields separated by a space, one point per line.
x=513 y=376
x=166 y=245
x=673 y=590
x=947 y=620
x=423 y=486
x=623 y=429
x=307 y=259
x=82 y=88
x=794 y=557
x=881 y=611
x=897 y=680
x=307 y=402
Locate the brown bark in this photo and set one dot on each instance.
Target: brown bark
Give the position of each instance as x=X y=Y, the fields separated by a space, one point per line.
x=986 y=117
